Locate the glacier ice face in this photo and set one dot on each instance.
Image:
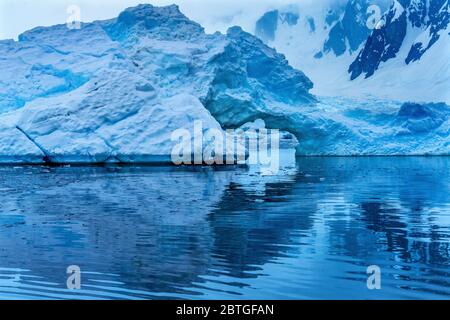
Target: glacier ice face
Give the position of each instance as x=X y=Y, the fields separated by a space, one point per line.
x=348 y=127
x=115 y=90
x=15 y=147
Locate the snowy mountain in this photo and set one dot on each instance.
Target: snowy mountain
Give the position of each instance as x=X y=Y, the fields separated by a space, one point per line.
x=115 y=91
x=394 y=49
x=426 y=20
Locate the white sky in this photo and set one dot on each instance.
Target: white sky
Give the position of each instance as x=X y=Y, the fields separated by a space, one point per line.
x=17 y=16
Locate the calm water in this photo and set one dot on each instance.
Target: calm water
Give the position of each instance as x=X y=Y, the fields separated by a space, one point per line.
x=161 y=232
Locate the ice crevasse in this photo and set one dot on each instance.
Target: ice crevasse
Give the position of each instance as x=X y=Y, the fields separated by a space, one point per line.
x=115 y=90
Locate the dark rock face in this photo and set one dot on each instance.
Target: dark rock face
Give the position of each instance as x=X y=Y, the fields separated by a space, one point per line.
x=336 y=40
x=331 y=17
x=437 y=19
x=267 y=25
x=290 y=18
x=311 y=23
x=349 y=32
x=432 y=16
x=418 y=14
x=382 y=45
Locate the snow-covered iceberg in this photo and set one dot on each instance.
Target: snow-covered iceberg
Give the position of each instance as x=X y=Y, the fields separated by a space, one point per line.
x=351 y=127
x=115 y=90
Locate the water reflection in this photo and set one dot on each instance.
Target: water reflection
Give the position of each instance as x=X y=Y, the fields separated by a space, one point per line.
x=163 y=232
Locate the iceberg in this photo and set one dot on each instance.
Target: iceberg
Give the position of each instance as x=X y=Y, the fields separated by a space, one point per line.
x=385 y=49
x=114 y=91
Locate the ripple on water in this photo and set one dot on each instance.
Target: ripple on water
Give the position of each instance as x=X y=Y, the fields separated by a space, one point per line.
x=228 y=233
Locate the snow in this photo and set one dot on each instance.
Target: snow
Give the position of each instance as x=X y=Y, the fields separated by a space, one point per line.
x=342 y=126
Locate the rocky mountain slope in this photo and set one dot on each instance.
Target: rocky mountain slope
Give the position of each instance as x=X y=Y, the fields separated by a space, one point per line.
x=390 y=49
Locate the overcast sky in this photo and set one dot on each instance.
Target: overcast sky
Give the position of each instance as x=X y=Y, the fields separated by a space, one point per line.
x=17 y=16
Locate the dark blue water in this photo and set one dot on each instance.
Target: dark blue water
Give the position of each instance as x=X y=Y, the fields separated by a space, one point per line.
x=163 y=232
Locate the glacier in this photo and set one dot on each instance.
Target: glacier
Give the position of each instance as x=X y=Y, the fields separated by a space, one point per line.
x=115 y=90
